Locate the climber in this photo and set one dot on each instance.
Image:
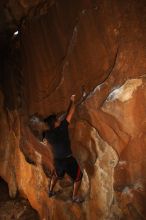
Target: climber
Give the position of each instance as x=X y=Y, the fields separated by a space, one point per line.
x=58 y=137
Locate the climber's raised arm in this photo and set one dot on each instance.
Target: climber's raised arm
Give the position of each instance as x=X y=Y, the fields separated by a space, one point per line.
x=71 y=108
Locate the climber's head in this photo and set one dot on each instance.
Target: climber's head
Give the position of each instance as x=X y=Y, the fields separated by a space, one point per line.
x=52 y=121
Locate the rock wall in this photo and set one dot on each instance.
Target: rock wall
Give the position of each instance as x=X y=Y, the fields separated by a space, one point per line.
x=95 y=48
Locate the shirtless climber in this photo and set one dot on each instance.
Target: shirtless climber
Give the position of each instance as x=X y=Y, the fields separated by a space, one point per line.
x=57 y=135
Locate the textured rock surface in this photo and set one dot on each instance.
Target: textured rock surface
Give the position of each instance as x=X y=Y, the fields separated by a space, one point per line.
x=17 y=208
x=14 y=13
x=93 y=47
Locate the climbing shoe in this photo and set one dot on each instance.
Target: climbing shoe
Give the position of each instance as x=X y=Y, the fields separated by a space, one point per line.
x=51 y=193
x=77 y=200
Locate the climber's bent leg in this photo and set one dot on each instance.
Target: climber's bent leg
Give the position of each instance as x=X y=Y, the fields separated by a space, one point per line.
x=53 y=182
x=74 y=171
x=57 y=174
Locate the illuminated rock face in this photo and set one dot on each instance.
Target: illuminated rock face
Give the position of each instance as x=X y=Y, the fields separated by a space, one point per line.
x=95 y=48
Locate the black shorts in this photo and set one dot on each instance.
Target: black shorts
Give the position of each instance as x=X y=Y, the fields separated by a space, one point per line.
x=70 y=166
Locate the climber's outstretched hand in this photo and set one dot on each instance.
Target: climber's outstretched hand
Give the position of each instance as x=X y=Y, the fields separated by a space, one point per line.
x=72 y=98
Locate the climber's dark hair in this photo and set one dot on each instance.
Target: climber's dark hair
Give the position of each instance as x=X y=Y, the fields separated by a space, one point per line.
x=50 y=120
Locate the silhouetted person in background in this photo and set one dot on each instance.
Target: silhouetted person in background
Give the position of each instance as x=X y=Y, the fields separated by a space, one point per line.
x=58 y=136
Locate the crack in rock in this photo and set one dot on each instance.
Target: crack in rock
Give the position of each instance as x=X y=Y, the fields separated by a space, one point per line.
x=70 y=47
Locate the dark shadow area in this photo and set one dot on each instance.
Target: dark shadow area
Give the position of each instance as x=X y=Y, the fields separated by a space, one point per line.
x=13 y=209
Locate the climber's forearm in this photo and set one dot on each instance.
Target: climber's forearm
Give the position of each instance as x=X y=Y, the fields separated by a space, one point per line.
x=71 y=109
